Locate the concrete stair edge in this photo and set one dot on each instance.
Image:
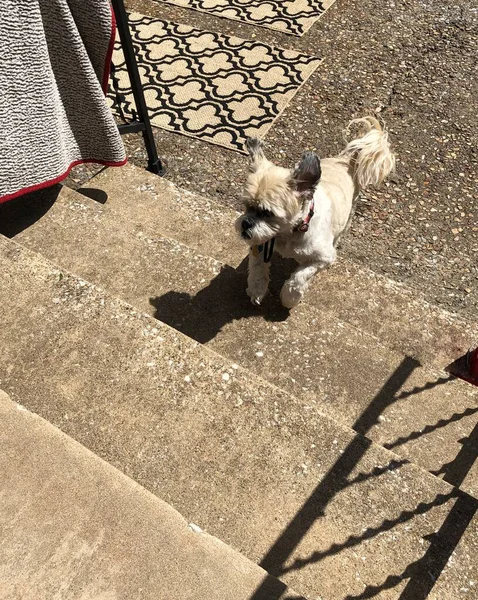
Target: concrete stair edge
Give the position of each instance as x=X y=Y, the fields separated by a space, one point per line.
x=391 y=455
x=69 y=195
x=100 y=262
x=427 y=486
x=175 y=204
x=72 y=499
x=72 y=195
x=462 y=331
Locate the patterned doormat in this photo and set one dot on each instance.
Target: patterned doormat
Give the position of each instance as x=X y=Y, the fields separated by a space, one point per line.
x=290 y=16
x=208 y=86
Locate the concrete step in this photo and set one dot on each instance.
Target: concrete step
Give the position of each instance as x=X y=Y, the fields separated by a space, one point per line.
x=74 y=527
x=193 y=220
x=326 y=510
x=395 y=314
x=421 y=413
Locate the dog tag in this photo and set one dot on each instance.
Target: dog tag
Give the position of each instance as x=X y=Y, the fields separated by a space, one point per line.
x=255 y=250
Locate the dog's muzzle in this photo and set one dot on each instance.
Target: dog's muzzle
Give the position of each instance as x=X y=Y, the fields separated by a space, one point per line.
x=246 y=225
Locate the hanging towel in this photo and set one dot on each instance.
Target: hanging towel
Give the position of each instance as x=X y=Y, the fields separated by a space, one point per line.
x=54 y=67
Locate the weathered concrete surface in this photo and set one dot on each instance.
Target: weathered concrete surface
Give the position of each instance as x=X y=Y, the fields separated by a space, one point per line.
x=398 y=316
x=313 y=354
x=331 y=513
x=162 y=207
x=73 y=527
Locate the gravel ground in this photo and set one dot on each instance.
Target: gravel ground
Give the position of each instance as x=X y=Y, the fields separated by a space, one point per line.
x=415 y=64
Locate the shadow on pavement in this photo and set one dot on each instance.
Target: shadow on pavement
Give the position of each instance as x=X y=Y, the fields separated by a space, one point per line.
x=20 y=213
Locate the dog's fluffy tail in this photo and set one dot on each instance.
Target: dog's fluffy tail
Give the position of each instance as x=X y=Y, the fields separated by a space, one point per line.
x=372 y=157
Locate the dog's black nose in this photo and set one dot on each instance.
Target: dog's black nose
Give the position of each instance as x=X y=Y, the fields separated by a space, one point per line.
x=247 y=223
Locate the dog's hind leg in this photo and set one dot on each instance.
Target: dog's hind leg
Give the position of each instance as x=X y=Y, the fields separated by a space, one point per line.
x=258 y=278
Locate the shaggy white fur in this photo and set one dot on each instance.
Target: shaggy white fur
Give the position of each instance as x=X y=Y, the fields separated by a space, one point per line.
x=278 y=200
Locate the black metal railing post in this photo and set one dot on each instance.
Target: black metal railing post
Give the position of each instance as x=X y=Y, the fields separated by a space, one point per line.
x=143 y=123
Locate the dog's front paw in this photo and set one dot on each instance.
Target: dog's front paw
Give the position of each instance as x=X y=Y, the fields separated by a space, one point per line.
x=256 y=296
x=290 y=296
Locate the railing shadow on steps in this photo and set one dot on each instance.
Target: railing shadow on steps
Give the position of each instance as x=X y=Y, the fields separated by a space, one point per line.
x=202 y=317
x=423 y=573
x=415 y=435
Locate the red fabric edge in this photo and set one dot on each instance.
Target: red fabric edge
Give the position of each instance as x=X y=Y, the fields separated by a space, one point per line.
x=468 y=379
x=55 y=180
x=109 y=53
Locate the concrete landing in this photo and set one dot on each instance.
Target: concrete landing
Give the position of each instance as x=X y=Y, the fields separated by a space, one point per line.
x=420 y=412
x=324 y=509
x=75 y=528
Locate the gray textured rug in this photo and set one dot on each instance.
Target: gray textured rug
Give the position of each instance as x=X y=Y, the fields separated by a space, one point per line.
x=53 y=114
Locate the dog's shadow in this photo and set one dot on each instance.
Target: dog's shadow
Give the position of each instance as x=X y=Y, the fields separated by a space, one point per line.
x=223 y=301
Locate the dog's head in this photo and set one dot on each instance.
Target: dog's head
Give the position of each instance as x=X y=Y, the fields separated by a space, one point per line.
x=274 y=197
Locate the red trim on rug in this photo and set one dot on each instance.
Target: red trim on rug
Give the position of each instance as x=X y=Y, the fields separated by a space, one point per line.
x=56 y=180
x=109 y=53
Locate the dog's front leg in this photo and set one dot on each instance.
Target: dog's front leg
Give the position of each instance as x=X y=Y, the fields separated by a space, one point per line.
x=295 y=287
x=258 y=278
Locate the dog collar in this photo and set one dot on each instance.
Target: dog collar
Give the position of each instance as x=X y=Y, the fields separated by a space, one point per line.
x=303 y=226
x=267 y=247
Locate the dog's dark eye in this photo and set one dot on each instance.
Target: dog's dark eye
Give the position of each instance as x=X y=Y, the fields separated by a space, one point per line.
x=264 y=213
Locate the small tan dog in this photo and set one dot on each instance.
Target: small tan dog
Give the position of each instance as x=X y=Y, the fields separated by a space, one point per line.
x=304 y=213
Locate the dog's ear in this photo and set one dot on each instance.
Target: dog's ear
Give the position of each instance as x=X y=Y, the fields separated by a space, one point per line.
x=307 y=174
x=255 y=148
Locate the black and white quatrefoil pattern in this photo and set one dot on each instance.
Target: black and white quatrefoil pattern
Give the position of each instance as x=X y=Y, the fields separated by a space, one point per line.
x=290 y=16
x=212 y=87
